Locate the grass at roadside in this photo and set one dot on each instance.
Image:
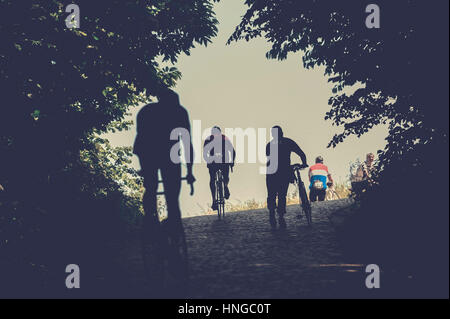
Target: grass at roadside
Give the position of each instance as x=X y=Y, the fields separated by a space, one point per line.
x=292 y=198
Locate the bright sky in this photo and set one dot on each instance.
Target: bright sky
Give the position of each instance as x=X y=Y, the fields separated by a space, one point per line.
x=235 y=86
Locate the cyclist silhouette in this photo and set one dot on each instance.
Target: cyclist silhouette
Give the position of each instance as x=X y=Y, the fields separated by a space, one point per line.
x=219 y=153
x=278 y=152
x=160 y=128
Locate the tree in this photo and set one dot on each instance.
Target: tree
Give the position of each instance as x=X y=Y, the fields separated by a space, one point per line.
x=61 y=88
x=402 y=71
x=59 y=84
x=385 y=60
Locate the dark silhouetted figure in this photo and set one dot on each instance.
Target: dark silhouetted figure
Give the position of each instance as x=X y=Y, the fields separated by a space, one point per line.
x=160 y=128
x=278 y=152
x=219 y=153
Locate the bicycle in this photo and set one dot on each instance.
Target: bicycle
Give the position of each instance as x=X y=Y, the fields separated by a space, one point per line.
x=220 y=198
x=331 y=193
x=165 y=254
x=304 y=201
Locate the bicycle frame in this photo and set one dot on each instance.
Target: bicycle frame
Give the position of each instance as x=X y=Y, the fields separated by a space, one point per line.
x=305 y=203
x=331 y=194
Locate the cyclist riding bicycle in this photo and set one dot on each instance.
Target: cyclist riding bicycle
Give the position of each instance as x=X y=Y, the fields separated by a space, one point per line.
x=320 y=179
x=156 y=124
x=278 y=152
x=219 y=153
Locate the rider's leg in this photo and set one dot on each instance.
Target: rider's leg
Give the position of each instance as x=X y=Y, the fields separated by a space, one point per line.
x=283 y=186
x=271 y=198
x=151 y=228
x=282 y=193
x=212 y=185
x=149 y=200
x=151 y=225
x=312 y=195
x=321 y=195
x=171 y=175
x=226 y=179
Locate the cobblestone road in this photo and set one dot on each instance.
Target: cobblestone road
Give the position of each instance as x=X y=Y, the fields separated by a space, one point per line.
x=241 y=257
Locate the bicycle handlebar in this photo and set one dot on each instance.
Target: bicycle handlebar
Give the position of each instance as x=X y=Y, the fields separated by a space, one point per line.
x=141 y=173
x=299 y=166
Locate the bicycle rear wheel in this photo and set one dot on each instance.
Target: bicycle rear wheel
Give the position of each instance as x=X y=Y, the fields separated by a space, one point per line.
x=305 y=203
x=175 y=274
x=336 y=195
x=152 y=254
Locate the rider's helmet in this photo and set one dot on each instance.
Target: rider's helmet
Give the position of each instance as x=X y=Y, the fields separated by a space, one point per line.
x=216 y=130
x=277 y=132
x=319 y=159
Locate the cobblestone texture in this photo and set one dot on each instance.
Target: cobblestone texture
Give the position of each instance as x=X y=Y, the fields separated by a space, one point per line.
x=241 y=257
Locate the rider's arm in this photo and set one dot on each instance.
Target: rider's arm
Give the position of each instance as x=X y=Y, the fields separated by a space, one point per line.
x=232 y=150
x=234 y=155
x=206 y=150
x=330 y=178
x=139 y=124
x=360 y=173
x=297 y=150
x=366 y=172
x=187 y=145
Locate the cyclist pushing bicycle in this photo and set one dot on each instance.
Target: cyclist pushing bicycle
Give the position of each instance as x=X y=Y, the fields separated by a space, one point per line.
x=279 y=173
x=219 y=154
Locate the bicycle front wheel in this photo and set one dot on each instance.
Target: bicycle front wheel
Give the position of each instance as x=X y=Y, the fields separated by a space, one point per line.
x=220 y=198
x=178 y=265
x=152 y=253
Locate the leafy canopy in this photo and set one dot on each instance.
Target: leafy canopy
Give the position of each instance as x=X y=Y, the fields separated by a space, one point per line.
x=59 y=85
x=399 y=67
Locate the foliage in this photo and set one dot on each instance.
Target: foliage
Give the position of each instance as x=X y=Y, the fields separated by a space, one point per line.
x=401 y=71
x=343 y=190
x=62 y=83
x=250 y=204
x=61 y=89
x=333 y=34
x=292 y=198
